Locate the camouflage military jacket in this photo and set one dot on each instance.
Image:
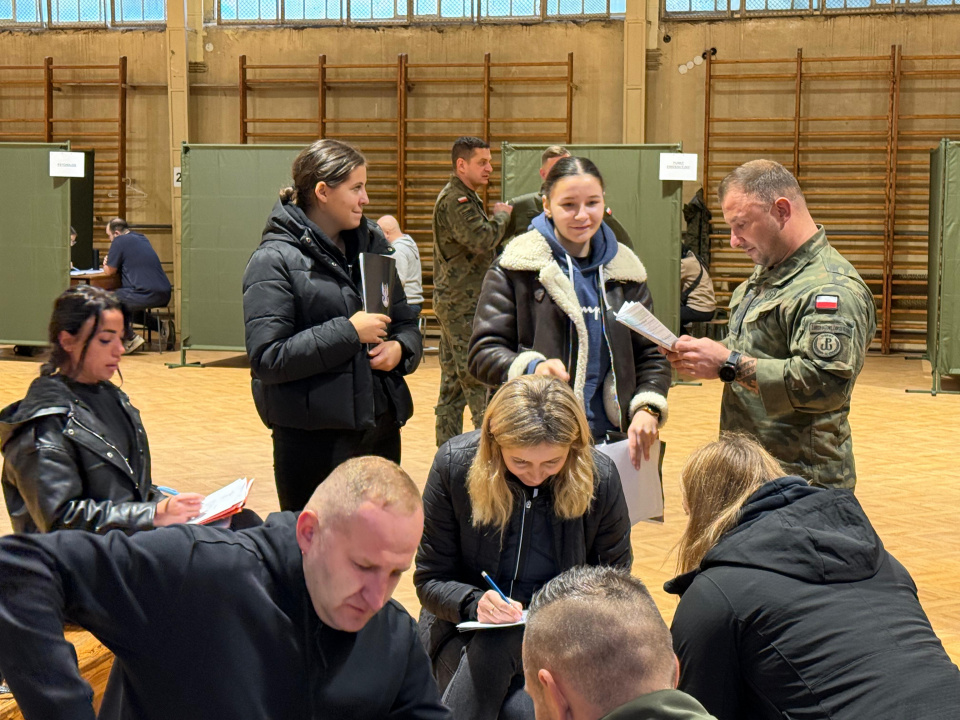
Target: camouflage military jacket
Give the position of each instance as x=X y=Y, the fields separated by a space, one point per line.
x=465 y=242
x=527 y=207
x=808 y=322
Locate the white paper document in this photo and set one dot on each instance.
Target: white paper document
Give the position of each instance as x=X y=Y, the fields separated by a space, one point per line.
x=223 y=500
x=643 y=488
x=636 y=317
x=80 y=273
x=475 y=625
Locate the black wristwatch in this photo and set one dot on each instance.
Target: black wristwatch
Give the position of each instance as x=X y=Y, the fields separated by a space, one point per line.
x=728 y=371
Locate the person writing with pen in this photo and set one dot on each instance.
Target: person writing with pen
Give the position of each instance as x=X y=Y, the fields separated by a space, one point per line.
x=522 y=499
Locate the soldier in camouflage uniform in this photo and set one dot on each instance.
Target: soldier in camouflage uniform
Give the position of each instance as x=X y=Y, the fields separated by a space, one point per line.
x=799 y=329
x=465 y=242
x=527 y=207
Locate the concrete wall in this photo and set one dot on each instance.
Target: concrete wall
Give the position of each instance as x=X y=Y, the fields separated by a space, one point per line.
x=675 y=110
x=598 y=75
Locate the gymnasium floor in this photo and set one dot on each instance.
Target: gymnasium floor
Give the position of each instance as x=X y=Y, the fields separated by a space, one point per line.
x=204 y=432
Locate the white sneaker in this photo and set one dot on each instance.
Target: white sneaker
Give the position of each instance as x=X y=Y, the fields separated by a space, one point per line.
x=133 y=344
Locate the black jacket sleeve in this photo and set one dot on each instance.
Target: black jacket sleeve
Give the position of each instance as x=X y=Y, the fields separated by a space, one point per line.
x=278 y=352
x=439 y=555
x=611 y=543
x=494 y=344
x=48 y=579
x=419 y=697
x=705 y=639
x=652 y=367
x=46 y=472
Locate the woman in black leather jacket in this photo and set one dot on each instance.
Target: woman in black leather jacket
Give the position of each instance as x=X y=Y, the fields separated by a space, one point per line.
x=327 y=376
x=75 y=451
x=523 y=499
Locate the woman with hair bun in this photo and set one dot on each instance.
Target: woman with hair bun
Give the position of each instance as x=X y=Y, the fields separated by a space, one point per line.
x=325 y=396
x=76 y=454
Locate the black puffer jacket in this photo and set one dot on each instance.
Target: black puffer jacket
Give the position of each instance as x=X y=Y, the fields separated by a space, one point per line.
x=799 y=612
x=310 y=370
x=453 y=552
x=528 y=310
x=62 y=469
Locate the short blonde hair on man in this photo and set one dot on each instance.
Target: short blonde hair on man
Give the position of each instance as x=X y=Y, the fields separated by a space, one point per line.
x=765 y=180
x=554 y=151
x=365 y=479
x=527 y=411
x=716 y=481
x=598 y=630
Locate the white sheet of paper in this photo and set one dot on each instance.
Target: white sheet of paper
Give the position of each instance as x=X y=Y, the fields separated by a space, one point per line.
x=91 y=271
x=223 y=499
x=643 y=488
x=636 y=317
x=475 y=625
x=678 y=166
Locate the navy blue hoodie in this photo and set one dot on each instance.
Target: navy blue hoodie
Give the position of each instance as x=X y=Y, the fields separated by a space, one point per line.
x=584 y=273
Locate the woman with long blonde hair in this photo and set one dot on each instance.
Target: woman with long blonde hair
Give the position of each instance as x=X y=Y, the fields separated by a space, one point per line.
x=522 y=499
x=790 y=606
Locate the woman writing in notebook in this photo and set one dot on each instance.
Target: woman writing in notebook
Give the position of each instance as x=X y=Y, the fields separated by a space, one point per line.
x=327 y=376
x=75 y=451
x=523 y=499
x=547 y=307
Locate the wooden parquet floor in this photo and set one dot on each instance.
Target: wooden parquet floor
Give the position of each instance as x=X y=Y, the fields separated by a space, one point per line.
x=204 y=432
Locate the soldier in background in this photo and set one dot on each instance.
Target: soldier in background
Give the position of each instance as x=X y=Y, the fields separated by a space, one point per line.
x=465 y=242
x=799 y=329
x=527 y=207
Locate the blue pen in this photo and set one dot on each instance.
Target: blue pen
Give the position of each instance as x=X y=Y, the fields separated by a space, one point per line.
x=494 y=587
x=167 y=490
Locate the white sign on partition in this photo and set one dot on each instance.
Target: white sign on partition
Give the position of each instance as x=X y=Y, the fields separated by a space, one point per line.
x=66 y=164
x=678 y=166
x=176 y=176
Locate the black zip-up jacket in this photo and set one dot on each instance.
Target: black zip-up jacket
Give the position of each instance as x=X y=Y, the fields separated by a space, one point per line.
x=62 y=468
x=310 y=370
x=453 y=552
x=205 y=623
x=799 y=612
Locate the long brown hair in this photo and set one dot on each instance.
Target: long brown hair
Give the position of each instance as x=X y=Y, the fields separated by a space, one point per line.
x=715 y=482
x=74 y=307
x=527 y=411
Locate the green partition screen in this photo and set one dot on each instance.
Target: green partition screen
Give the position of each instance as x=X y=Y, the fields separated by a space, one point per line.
x=34 y=240
x=943 y=275
x=647 y=207
x=227 y=194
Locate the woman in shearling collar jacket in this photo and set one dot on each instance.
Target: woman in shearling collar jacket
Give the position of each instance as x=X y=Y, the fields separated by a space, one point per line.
x=75 y=451
x=548 y=306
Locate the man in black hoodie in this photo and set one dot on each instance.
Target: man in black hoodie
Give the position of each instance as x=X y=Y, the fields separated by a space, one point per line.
x=289 y=620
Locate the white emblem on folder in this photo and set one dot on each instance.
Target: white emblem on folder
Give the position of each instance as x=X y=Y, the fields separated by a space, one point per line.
x=385 y=294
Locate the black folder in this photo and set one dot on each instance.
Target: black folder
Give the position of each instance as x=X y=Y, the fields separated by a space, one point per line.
x=378 y=273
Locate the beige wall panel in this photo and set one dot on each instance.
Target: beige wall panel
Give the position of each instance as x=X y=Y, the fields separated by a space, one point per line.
x=675 y=109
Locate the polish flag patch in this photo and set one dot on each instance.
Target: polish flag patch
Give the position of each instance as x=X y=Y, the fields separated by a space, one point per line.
x=827 y=302
x=462 y=199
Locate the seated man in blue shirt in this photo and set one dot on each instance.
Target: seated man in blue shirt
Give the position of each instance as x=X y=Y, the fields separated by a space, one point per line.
x=143 y=283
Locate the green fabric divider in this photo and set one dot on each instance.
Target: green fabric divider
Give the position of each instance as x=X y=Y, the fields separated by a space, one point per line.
x=227 y=194
x=943 y=272
x=647 y=207
x=34 y=240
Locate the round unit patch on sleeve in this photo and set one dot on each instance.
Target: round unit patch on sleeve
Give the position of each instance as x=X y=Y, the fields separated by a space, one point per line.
x=826 y=345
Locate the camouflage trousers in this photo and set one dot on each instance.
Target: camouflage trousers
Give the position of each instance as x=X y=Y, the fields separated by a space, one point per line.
x=458 y=388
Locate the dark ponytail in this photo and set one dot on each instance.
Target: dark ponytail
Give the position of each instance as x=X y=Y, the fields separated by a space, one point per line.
x=327 y=161
x=70 y=311
x=570 y=166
